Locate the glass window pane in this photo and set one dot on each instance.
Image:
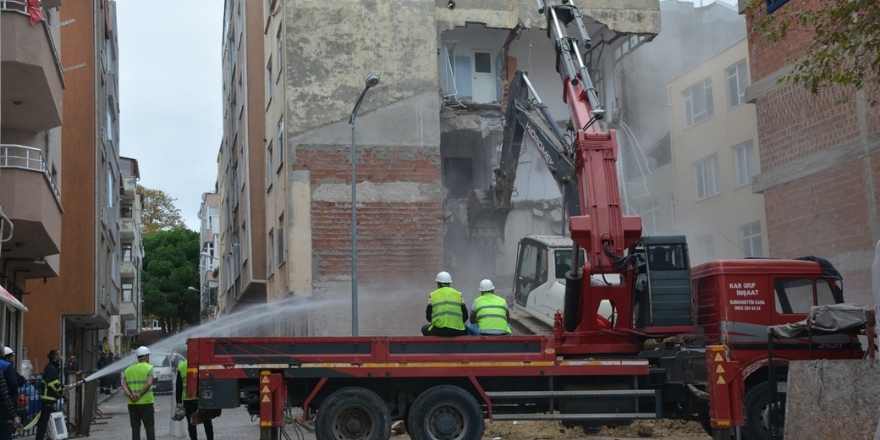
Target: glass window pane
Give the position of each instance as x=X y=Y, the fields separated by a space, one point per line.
x=482 y=62
x=794 y=296
x=824 y=294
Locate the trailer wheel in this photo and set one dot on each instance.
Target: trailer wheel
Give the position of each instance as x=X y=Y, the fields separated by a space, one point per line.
x=445 y=412
x=758 y=413
x=353 y=414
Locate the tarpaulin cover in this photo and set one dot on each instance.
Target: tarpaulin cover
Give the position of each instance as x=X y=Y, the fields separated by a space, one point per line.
x=833 y=318
x=7 y=298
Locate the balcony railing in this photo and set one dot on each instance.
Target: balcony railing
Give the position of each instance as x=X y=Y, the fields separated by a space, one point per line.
x=31 y=159
x=20 y=6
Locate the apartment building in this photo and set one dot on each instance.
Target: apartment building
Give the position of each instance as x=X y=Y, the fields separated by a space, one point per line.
x=427 y=133
x=714 y=158
x=241 y=160
x=209 y=261
x=75 y=308
x=31 y=207
x=819 y=158
x=130 y=314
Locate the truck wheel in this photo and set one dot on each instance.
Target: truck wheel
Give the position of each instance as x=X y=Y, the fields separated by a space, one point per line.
x=445 y=412
x=758 y=413
x=353 y=414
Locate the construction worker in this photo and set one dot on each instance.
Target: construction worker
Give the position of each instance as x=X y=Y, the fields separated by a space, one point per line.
x=9 y=356
x=190 y=404
x=446 y=312
x=489 y=314
x=51 y=392
x=137 y=382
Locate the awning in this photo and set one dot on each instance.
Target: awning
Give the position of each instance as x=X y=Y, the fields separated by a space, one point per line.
x=7 y=298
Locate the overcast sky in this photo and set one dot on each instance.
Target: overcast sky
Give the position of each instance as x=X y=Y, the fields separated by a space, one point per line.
x=170 y=94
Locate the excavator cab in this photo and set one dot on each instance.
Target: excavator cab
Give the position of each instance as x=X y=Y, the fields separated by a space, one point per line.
x=662 y=297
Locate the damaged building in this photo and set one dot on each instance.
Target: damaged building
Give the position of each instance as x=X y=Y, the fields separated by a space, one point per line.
x=428 y=138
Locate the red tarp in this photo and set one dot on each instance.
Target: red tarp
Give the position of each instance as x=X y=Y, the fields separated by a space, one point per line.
x=35 y=12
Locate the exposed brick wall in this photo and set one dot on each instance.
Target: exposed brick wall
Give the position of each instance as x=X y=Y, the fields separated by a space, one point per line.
x=792 y=122
x=766 y=57
x=396 y=240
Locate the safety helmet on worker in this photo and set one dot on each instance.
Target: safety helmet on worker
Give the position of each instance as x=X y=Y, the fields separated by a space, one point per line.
x=487 y=286
x=8 y=351
x=142 y=351
x=444 y=278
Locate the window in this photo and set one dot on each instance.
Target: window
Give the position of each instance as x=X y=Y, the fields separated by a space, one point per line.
x=526 y=272
x=794 y=295
x=482 y=62
x=269 y=168
x=127 y=291
x=667 y=257
x=280 y=252
x=126 y=253
x=698 y=102
x=745 y=168
x=279 y=49
x=737 y=81
x=707 y=177
x=279 y=134
x=562 y=260
x=268 y=82
x=110 y=188
x=270 y=267
x=108 y=123
x=750 y=237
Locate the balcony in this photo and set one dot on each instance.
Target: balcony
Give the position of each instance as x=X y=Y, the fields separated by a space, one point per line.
x=128 y=270
x=129 y=188
x=31 y=199
x=32 y=81
x=127 y=310
x=126 y=230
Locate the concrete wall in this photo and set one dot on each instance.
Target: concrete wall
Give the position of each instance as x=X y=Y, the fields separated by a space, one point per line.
x=331 y=48
x=832 y=399
x=819 y=155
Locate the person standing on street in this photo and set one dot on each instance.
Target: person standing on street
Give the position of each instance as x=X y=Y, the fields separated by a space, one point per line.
x=9 y=420
x=137 y=382
x=52 y=389
x=190 y=404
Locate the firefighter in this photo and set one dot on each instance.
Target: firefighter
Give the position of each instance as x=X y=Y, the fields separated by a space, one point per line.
x=446 y=313
x=489 y=314
x=51 y=392
x=137 y=382
x=190 y=404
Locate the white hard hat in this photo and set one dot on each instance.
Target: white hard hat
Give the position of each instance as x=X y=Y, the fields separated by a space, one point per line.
x=7 y=351
x=444 y=277
x=142 y=351
x=487 y=286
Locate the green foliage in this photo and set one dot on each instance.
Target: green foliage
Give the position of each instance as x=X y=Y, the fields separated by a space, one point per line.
x=845 y=50
x=159 y=211
x=171 y=264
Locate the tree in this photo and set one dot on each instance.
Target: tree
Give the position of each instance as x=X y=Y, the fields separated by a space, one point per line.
x=845 y=49
x=171 y=262
x=159 y=212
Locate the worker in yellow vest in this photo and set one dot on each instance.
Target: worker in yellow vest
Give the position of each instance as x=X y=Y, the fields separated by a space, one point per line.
x=190 y=404
x=489 y=314
x=137 y=382
x=446 y=312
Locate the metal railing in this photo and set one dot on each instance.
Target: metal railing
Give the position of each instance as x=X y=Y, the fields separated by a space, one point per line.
x=27 y=158
x=20 y=7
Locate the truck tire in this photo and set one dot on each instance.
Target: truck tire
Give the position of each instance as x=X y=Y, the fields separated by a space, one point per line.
x=445 y=412
x=353 y=413
x=757 y=412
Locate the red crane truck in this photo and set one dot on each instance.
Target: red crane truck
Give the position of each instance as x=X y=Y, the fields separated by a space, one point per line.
x=680 y=343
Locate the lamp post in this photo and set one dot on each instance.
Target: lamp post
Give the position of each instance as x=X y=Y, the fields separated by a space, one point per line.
x=371 y=81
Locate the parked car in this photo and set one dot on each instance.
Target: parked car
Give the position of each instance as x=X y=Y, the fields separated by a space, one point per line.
x=163 y=373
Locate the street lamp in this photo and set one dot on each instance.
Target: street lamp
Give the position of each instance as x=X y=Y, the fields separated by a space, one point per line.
x=371 y=81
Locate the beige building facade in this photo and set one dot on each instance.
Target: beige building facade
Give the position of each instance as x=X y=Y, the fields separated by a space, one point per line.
x=705 y=190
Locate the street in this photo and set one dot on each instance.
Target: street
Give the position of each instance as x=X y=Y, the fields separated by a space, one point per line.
x=236 y=425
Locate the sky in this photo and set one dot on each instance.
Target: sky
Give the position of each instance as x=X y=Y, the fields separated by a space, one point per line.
x=170 y=95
